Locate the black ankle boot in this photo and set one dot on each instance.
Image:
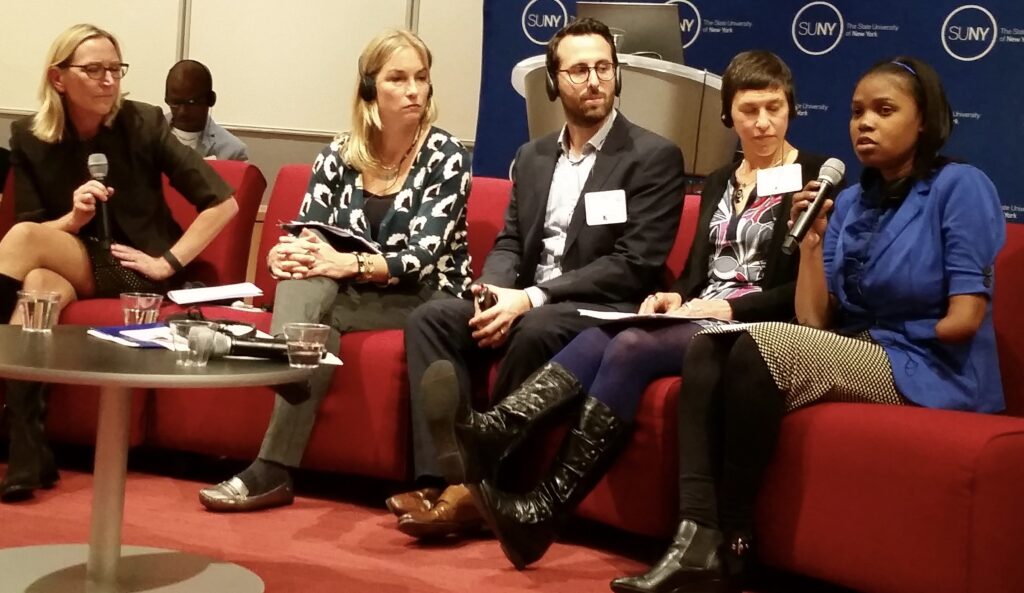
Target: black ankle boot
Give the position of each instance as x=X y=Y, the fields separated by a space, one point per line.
x=694 y=563
x=30 y=465
x=9 y=288
x=470 y=443
x=526 y=525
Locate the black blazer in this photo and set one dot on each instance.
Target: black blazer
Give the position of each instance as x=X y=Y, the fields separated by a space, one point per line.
x=611 y=264
x=775 y=301
x=139 y=147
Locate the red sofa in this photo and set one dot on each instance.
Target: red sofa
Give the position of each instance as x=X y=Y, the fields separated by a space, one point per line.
x=874 y=498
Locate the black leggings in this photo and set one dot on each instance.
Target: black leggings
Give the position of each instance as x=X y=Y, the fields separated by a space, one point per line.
x=730 y=411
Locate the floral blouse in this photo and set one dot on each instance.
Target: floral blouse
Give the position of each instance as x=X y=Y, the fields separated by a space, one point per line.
x=423 y=235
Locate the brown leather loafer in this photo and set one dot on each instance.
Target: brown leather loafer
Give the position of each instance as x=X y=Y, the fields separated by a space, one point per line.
x=416 y=501
x=453 y=514
x=232 y=496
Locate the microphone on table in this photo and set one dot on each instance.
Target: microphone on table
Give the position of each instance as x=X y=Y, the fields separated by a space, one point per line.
x=98 y=169
x=830 y=176
x=221 y=344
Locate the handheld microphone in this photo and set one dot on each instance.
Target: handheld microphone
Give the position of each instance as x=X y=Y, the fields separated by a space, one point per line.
x=98 y=168
x=830 y=175
x=220 y=344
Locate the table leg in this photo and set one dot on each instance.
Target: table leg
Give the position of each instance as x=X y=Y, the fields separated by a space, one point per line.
x=108 y=484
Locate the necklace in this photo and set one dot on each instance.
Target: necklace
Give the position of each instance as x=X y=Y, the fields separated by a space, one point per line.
x=391 y=171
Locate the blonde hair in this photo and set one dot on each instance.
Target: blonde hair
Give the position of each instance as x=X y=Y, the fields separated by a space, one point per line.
x=48 y=122
x=366 y=125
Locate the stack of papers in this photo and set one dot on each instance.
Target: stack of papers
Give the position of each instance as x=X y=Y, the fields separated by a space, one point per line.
x=148 y=335
x=187 y=296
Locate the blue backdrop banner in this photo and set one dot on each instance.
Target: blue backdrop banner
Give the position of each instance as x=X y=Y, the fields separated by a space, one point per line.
x=978 y=50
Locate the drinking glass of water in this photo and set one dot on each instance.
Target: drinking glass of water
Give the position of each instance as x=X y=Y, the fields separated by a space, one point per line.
x=38 y=309
x=140 y=307
x=305 y=343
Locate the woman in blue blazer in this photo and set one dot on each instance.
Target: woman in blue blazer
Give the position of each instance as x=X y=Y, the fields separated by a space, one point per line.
x=893 y=298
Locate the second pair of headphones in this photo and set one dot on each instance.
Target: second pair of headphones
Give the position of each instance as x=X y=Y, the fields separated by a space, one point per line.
x=368 y=88
x=552 y=87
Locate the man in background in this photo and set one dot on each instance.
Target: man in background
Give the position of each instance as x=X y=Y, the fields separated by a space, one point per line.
x=189 y=94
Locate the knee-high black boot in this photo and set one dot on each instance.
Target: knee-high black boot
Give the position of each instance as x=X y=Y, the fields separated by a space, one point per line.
x=31 y=464
x=526 y=525
x=470 y=443
x=9 y=288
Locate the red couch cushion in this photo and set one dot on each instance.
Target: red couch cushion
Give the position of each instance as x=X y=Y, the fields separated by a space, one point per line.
x=1008 y=317
x=225 y=259
x=485 y=216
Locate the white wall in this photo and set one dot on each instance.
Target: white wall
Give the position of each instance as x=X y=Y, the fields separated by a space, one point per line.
x=284 y=72
x=148 y=40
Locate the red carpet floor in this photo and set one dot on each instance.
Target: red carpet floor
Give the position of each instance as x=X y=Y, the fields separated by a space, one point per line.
x=331 y=546
x=313 y=546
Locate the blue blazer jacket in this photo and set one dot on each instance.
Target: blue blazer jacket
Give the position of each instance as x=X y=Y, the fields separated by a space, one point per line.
x=941 y=241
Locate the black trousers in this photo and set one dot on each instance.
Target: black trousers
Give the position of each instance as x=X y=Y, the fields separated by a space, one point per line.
x=730 y=412
x=439 y=330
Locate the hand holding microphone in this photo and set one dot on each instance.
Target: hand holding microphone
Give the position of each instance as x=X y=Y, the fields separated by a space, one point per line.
x=812 y=201
x=95 y=193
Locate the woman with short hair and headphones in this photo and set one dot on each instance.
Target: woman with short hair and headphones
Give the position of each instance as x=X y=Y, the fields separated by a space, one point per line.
x=396 y=181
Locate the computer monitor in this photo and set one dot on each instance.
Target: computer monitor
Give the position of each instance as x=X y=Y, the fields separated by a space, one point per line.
x=650 y=30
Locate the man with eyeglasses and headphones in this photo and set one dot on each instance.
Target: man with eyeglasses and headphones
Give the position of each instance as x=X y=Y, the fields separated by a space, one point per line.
x=593 y=213
x=189 y=93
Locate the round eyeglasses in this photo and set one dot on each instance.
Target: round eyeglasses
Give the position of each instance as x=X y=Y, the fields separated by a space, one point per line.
x=580 y=73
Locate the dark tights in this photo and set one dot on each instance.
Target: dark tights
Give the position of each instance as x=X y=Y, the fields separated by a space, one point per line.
x=615 y=365
x=730 y=411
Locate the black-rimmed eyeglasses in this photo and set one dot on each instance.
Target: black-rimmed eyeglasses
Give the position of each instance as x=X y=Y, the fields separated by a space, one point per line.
x=580 y=73
x=96 y=71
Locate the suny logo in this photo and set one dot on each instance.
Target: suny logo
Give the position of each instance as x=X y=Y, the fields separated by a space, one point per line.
x=689 y=21
x=969 y=32
x=817 y=28
x=542 y=19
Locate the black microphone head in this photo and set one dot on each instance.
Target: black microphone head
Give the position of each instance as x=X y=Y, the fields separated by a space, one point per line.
x=98 y=165
x=832 y=171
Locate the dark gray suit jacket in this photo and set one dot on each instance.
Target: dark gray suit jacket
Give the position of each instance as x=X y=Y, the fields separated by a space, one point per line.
x=614 y=264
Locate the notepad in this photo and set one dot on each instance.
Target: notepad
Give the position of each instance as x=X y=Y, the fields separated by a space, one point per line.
x=340 y=239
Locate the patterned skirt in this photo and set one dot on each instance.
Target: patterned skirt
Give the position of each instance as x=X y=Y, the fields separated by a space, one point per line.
x=811 y=365
x=111 y=278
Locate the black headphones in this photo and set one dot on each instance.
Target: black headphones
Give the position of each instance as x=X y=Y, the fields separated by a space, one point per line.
x=368 y=88
x=552 y=87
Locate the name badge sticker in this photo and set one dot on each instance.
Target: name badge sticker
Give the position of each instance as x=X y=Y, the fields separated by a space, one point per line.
x=605 y=207
x=779 y=180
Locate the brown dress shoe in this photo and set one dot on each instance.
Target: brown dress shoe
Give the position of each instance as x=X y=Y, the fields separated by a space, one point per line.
x=453 y=514
x=417 y=500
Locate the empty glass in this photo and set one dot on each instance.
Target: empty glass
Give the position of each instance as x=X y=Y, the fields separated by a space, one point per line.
x=193 y=341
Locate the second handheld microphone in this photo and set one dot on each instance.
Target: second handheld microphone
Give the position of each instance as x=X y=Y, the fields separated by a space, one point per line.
x=830 y=176
x=98 y=169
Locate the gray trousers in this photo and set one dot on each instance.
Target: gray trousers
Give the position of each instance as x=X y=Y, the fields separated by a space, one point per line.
x=346 y=308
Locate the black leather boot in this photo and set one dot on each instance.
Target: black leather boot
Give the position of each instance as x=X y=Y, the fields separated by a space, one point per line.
x=30 y=465
x=470 y=443
x=694 y=563
x=9 y=288
x=526 y=525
